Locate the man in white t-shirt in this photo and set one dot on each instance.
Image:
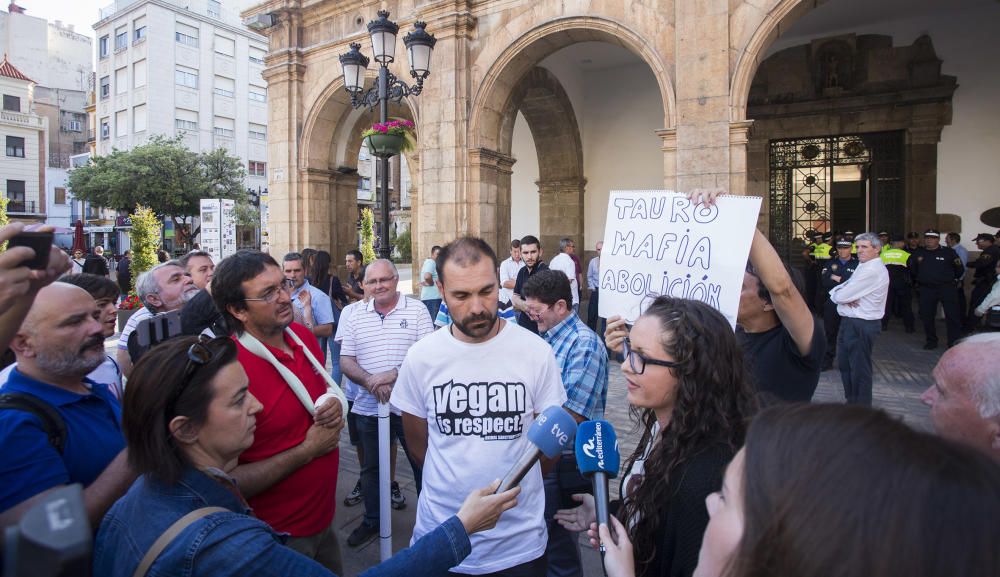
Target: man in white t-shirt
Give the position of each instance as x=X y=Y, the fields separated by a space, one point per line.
x=564 y=262
x=467 y=409
x=508 y=272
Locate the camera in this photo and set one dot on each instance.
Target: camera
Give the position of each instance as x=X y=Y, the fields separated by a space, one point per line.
x=53 y=539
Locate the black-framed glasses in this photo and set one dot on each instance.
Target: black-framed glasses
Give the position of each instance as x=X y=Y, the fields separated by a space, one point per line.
x=638 y=362
x=272 y=293
x=199 y=354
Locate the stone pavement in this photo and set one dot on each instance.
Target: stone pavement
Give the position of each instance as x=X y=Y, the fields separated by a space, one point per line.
x=902 y=373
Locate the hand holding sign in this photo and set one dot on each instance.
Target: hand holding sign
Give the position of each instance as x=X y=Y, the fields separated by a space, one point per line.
x=663 y=243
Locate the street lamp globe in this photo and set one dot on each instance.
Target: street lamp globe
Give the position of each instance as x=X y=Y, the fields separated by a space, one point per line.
x=354 y=64
x=419 y=45
x=383 y=33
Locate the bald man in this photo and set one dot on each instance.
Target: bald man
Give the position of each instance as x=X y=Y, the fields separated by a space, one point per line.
x=60 y=341
x=965 y=396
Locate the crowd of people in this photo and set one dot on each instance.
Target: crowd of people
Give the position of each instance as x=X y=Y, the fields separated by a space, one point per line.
x=216 y=451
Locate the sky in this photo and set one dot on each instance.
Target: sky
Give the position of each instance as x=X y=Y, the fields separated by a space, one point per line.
x=82 y=14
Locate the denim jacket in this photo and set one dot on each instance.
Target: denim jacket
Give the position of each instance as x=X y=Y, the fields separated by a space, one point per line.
x=235 y=543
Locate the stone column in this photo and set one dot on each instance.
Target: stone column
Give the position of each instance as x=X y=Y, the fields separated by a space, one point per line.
x=669 y=148
x=921 y=176
x=313 y=209
x=343 y=217
x=413 y=161
x=560 y=208
x=739 y=135
x=489 y=196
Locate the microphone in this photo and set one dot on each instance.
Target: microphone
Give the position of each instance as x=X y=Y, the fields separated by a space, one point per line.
x=551 y=432
x=597 y=457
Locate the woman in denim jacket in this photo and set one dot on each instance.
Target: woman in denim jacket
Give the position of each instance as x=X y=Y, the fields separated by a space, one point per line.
x=187 y=416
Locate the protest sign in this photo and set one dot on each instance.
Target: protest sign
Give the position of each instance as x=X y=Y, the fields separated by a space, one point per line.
x=656 y=242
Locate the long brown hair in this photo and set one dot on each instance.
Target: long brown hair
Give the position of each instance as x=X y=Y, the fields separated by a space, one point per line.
x=845 y=491
x=714 y=402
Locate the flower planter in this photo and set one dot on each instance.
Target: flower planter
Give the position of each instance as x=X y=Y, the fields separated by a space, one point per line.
x=384 y=144
x=123 y=317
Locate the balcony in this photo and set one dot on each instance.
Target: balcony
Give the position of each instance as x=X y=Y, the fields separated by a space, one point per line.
x=21 y=119
x=22 y=207
x=91 y=135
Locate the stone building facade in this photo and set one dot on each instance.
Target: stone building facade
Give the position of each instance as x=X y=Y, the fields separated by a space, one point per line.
x=726 y=102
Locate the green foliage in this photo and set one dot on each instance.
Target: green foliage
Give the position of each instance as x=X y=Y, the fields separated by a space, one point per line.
x=367 y=235
x=4 y=221
x=162 y=175
x=403 y=246
x=145 y=240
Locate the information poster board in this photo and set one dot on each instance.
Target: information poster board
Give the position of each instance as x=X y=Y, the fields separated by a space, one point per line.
x=228 y=227
x=656 y=242
x=211 y=227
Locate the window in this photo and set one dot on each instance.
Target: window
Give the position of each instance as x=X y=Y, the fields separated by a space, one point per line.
x=139 y=30
x=225 y=46
x=224 y=127
x=121 y=80
x=15 y=146
x=258 y=132
x=15 y=193
x=60 y=195
x=121 y=123
x=103 y=51
x=121 y=38
x=139 y=74
x=256 y=55
x=139 y=118
x=365 y=183
x=258 y=93
x=257 y=168
x=186 y=77
x=12 y=103
x=187 y=35
x=74 y=126
x=105 y=87
x=214 y=9
x=185 y=119
x=105 y=129
x=224 y=86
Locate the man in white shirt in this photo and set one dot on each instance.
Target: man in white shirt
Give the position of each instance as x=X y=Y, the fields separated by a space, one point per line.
x=564 y=262
x=861 y=306
x=508 y=272
x=467 y=410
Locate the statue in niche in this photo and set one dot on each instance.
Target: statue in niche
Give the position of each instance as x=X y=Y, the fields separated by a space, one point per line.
x=832 y=76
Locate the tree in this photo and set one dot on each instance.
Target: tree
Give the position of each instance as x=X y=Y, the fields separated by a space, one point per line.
x=3 y=218
x=145 y=240
x=367 y=236
x=402 y=243
x=162 y=175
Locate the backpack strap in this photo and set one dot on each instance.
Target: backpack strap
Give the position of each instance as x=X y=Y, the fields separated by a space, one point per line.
x=52 y=421
x=170 y=534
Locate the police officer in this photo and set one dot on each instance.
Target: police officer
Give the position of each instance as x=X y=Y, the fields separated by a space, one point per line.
x=849 y=237
x=982 y=282
x=912 y=242
x=883 y=237
x=822 y=255
x=810 y=270
x=936 y=270
x=836 y=271
x=899 y=302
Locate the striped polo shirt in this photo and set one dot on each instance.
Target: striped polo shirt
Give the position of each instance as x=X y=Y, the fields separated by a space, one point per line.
x=380 y=342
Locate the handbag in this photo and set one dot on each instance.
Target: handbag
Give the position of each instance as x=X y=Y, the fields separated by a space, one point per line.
x=169 y=535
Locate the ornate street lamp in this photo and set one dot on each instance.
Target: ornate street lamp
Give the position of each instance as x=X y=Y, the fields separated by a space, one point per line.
x=419 y=46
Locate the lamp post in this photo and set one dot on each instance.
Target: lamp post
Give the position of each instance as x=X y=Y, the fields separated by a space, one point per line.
x=419 y=46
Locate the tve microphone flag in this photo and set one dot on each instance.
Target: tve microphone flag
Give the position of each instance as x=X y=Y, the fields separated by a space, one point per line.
x=551 y=432
x=597 y=457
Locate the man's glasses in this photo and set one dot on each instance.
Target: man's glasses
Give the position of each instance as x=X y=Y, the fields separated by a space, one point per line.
x=535 y=312
x=199 y=354
x=638 y=362
x=378 y=281
x=271 y=294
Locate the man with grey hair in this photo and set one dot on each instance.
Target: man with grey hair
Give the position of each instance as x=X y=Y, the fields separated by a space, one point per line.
x=163 y=288
x=861 y=305
x=965 y=396
x=564 y=262
x=376 y=338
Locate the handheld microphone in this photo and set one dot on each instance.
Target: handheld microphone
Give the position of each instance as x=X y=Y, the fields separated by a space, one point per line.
x=551 y=432
x=597 y=457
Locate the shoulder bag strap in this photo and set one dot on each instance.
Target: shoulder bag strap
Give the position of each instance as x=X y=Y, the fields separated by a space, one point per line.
x=169 y=535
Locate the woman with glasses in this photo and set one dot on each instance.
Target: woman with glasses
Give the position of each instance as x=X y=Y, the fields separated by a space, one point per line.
x=691 y=393
x=187 y=416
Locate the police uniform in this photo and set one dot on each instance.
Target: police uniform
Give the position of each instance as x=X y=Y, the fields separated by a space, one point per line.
x=822 y=255
x=831 y=320
x=899 y=302
x=982 y=282
x=810 y=270
x=936 y=273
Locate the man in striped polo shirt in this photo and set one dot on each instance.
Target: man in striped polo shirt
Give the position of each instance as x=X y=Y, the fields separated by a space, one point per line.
x=376 y=339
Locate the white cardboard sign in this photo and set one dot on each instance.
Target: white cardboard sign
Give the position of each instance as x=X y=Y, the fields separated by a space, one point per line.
x=656 y=242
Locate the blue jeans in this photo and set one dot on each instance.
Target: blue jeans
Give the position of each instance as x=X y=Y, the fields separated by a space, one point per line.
x=368 y=431
x=432 y=307
x=563 y=550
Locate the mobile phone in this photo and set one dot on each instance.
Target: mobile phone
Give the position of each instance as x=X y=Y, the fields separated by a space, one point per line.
x=158 y=328
x=40 y=242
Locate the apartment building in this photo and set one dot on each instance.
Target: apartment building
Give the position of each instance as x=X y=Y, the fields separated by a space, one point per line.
x=22 y=167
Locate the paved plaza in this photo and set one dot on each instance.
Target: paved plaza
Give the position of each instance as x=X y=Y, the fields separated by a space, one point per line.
x=902 y=373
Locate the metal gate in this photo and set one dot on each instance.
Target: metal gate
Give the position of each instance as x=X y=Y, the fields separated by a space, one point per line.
x=802 y=171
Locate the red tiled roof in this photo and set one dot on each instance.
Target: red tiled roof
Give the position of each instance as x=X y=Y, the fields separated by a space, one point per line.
x=7 y=69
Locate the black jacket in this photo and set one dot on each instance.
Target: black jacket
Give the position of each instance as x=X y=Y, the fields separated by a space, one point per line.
x=936 y=267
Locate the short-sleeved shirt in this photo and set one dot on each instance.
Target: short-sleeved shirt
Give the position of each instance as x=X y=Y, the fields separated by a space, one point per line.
x=778 y=368
x=522 y=277
x=508 y=272
x=350 y=387
x=302 y=503
x=133 y=321
x=379 y=342
x=322 y=306
x=583 y=365
x=479 y=400
x=429 y=293
x=355 y=282
x=563 y=262
x=31 y=465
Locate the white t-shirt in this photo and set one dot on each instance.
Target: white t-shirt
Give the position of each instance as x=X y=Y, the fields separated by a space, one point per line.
x=350 y=387
x=508 y=271
x=107 y=373
x=563 y=262
x=133 y=321
x=479 y=401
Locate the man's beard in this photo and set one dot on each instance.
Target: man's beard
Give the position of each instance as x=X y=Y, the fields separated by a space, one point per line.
x=464 y=325
x=65 y=362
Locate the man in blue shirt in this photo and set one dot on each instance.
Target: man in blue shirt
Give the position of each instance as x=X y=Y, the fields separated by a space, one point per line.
x=313 y=307
x=583 y=363
x=429 y=293
x=594 y=284
x=59 y=343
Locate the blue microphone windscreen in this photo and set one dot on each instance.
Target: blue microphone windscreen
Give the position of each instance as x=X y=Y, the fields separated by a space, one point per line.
x=552 y=431
x=597 y=448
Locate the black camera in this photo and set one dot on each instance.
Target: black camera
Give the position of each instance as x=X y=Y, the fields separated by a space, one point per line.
x=53 y=539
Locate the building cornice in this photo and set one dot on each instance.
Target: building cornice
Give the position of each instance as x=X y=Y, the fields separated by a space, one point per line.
x=187 y=13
